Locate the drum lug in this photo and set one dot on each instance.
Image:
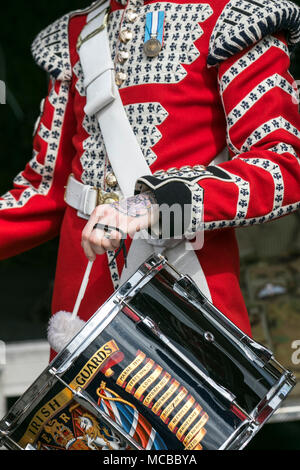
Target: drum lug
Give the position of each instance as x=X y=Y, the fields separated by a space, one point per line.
x=241 y=412
x=209 y=337
x=2 y=437
x=186 y=287
x=6 y=440
x=147 y=321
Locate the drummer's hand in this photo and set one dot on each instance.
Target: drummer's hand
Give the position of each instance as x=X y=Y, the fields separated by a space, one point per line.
x=130 y=216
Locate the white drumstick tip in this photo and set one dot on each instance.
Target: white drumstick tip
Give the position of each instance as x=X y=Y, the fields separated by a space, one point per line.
x=64 y=326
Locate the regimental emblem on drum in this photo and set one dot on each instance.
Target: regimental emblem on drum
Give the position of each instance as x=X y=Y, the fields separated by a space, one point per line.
x=97 y=437
x=62 y=436
x=77 y=429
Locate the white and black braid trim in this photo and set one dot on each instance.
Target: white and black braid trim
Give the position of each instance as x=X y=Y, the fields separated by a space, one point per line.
x=50 y=49
x=179 y=190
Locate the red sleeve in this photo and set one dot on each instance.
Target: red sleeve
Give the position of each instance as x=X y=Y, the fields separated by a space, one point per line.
x=31 y=213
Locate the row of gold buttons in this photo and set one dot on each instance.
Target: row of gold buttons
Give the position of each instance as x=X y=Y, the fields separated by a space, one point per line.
x=122 y=56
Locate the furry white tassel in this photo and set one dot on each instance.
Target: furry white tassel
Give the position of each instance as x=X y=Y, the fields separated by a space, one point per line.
x=62 y=329
x=64 y=326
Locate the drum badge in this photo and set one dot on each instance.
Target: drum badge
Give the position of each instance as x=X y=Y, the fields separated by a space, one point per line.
x=154 y=33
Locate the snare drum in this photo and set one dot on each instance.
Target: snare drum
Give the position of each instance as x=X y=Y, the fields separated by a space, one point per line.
x=157 y=367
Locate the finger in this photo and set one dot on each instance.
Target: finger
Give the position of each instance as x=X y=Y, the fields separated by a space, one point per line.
x=86 y=236
x=97 y=241
x=95 y=217
x=88 y=250
x=86 y=245
x=107 y=244
x=101 y=240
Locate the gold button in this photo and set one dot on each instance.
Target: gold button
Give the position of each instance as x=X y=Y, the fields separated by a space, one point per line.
x=199 y=167
x=120 y=78
x=131 y=15
x=111 y=180
x=122 y=56
x=126 y=35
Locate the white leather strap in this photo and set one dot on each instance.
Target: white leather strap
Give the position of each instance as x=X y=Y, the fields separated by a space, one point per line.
x=104 y=101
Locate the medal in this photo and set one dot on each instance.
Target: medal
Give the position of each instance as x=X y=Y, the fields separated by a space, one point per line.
x=154 y=33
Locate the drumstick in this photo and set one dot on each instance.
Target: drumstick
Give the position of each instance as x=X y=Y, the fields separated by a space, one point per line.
x=82 y=290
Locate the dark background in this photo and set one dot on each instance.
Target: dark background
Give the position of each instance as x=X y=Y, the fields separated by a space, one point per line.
x=26 y=281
